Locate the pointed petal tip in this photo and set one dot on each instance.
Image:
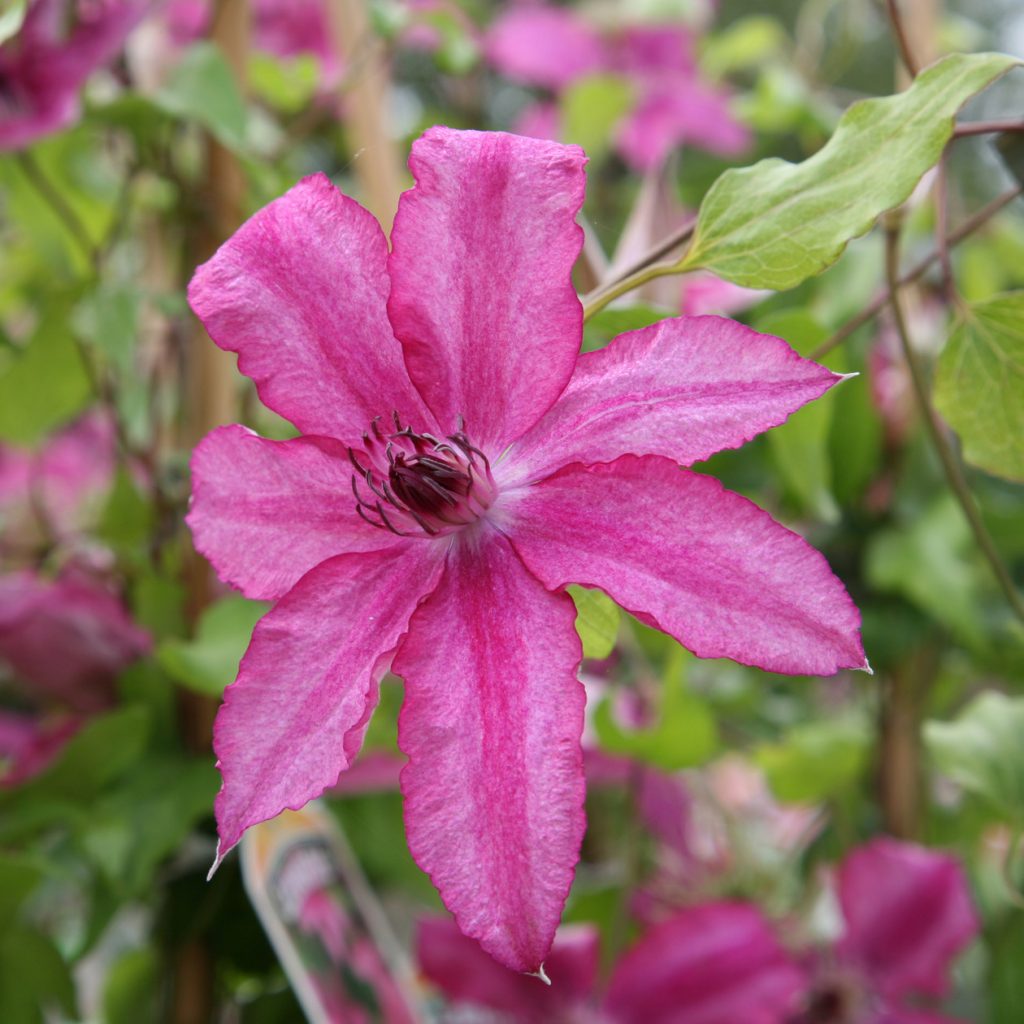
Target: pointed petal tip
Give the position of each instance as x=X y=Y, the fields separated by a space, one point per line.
x=217 y=861
x=865 y=668
x=542 y=974
x=847 y=376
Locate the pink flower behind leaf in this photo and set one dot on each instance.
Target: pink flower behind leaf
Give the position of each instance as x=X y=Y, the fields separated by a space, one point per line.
x=908 y=913
x=66 y=639
x=553 y=48
x=719 y=963
x=44 y=66
x=460 y=463
x=29 y=744
x=468 y=977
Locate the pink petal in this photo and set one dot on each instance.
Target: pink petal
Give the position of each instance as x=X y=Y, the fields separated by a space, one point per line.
x=540 y=121
x=468 y=976
x=714 y=964
x=908 y=914
x=482 y=295
x=550 y=47
x=684 y=388
x=300 y=293
x=491 y=723
x=29 y=745
x=294 y=718
x=681 y=111
x=704 y=293
x=690 y=558
x=265 y=512
x=42 y=68
x=66 y=639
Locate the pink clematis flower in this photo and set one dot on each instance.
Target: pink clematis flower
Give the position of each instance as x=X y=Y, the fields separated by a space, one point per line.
x=66 y=639
x=552 y=48
x=718 y=963
x=460 y=464
x=907 y=913
x=44 y=66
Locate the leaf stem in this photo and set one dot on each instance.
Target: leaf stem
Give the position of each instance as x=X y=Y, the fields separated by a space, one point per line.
x=950 y=465
x=50 y=194
x=901 y=37
x=969 y=226
x=637 y=274
x=987 y=128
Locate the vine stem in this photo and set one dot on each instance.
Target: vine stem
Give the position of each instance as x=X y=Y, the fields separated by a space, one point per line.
x=50 y=194
x=954 y=238
x=609 y=293
x=987 y=128
x=901 y=37
x=950 y=465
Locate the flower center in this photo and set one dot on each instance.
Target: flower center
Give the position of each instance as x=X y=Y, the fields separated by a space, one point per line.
x=412 y=483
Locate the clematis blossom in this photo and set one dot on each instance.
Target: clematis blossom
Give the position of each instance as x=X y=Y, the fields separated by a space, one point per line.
x=459 y=464
x=552 y=48
x=44 y=66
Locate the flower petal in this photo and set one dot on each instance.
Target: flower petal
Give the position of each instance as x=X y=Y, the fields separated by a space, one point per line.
x=265 y=512
x=468 y=976
x=482 y=297
x=684 y=388
x=300 y=293
x=491 y=723
x=908 y=913
x=549 y=47
x=295 y=716
x=691 y=558
x=714 y=964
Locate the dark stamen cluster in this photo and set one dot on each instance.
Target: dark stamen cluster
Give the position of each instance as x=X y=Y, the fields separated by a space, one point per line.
x=418 y=482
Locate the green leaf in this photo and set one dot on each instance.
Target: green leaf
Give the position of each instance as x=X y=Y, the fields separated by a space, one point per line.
x=982 y=751
x=46 y=385
x=746 y=43
x=775 y=224
x=104 y=748
x=19 y=875
x=930 y=562
x=816 y=761
x=11 y=19
x=591 y=108
x=131 y=993
x=127 y=518
x=33 y=978
x=685 y=735
x=597 y=621
x=203 y=89
x=979 y=385
x=210 y=661
x=287 y=85
x=800 y=446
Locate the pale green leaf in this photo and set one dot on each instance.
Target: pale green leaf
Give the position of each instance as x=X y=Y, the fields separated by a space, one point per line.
x=591 y=108
x=202 y=89
x=979 y=386
x=210 y=661
x=684 y=735
x=775 y=224
x=597 y=621
x=746 y=43
x=982 y=751
x=817 y=760
x=46 y=385
x=930 y=562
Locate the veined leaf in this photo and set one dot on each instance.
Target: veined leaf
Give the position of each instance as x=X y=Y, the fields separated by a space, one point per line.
x=775 y=224
x=597 y=621
x=979 y=387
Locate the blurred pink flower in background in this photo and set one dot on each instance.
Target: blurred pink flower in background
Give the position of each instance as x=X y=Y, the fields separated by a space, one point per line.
x=66 y=639
x=57 y=490
x=45 y=64
x=29 y=743
x=554 y=47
